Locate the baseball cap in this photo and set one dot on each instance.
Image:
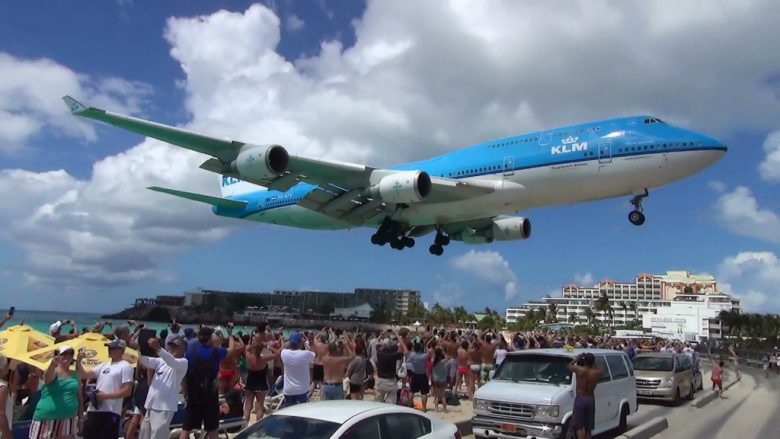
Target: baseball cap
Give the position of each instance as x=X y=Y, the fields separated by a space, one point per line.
x=178 y=341
x=189 y=332
x=55 y=327
x=62 y=349
x=295 y=338
x=116 y=344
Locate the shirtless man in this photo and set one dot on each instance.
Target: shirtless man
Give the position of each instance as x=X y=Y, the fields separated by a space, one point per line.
x=588 y=374
x=335 y=367
x=257 y=377
x=320 y=349
x=450 y=345
x=463 y=367
x=475 y=365
x=487 y=352
x=717 y=377
x=229 y=367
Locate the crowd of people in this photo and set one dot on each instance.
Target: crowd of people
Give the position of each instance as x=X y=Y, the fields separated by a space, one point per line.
x=227 y=372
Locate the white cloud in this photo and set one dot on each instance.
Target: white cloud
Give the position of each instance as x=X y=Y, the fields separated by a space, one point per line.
x=770 y=167
x=294 y=23
x=754 y=277
x=30 y=92
x=411 y=86
x=488 y=266
x=739 y=212
x=584 y=280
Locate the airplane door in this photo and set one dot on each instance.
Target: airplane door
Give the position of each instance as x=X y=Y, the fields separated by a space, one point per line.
x=545 y=138
x=605 y=152
x=509 y=165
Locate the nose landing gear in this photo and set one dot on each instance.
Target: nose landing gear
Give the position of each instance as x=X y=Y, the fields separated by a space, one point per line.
x=636 y=217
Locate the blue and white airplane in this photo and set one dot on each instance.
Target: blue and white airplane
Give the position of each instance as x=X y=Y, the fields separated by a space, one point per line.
x=466 y=195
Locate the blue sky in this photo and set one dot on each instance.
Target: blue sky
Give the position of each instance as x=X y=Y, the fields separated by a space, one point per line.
x=380 y=83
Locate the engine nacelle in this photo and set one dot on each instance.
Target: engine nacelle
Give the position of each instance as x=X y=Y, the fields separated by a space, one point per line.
x=404 y=187
x=261 y=161
x=508 y=228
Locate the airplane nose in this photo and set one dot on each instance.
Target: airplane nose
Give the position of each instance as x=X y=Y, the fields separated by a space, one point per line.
x=713 y=144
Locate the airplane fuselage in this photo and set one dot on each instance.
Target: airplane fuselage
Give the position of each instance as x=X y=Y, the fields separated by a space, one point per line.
x=591 y=161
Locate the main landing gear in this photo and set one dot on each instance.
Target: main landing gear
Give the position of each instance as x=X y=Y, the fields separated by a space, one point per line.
x=636 y=216
x=391 y=232
x=441 y=240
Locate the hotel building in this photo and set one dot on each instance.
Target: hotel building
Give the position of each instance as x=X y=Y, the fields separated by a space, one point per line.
x=676 y=304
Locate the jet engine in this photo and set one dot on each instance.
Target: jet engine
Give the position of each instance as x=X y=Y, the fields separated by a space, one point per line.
x=503 y=228
x=261 y=161
x=403 y=187
x=508 y=228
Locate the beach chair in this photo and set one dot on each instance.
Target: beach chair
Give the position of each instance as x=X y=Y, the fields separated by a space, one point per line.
x=274 y=397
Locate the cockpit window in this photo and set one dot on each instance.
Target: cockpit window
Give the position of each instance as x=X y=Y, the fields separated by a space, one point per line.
x=650 y=120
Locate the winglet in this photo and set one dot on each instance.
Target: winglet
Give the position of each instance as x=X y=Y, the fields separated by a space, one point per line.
x=75 y=106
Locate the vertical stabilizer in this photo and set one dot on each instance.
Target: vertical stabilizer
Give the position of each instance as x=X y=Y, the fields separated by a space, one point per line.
x=231 y=187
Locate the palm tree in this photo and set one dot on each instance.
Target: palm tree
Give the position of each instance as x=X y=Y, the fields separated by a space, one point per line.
x=602 y=305
x=590 y=316
x=633 y=305
x=624 y=305
x=573 y=319
x=552 y=313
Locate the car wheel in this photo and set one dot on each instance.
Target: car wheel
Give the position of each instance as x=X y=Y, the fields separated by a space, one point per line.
x=623 y=425
x=568 y=431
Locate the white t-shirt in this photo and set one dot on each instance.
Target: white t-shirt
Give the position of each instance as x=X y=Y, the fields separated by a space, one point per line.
x=9 y=404
x=297 y=375
x=110 y=377
x=166 y=384
x=499 y=355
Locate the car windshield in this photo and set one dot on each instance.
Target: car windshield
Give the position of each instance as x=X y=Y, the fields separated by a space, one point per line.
x=289 y=427
x=535 y=368
x=660 y=364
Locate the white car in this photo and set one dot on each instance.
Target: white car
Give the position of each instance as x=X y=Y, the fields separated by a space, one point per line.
x=349 y=420
x=532 y=394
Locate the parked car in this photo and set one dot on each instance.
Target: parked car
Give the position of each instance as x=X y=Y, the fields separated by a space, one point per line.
x=349 y=419
x=532 y=394
x=664 y=376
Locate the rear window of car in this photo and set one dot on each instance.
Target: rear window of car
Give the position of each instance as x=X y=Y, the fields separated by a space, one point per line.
x=284 y=427
x=617 y=366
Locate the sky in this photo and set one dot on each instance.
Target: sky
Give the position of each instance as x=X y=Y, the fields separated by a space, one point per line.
x=379 y=83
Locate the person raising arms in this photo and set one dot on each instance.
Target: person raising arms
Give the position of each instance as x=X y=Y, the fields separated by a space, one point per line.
x=588 y=374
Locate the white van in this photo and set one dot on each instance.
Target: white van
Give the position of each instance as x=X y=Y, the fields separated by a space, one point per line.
x=532 y=395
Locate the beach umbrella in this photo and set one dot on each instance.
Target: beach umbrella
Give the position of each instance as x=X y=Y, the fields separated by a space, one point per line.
x=18 y=340
x=94 y=349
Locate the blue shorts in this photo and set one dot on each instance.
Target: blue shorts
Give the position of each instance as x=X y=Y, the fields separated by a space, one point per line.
x=332 y=391
x=584 y=413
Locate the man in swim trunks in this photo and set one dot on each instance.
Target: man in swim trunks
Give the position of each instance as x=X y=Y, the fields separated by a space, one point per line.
x=463 y=366
x=487 y=351
x=588 y=373
x=320 y=349
x=717 y=377
x=475 y=361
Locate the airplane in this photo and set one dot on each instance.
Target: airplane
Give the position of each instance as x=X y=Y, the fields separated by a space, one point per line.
x=467 y=195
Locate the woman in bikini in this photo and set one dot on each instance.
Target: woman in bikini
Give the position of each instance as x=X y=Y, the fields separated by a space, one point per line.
x=257 y=358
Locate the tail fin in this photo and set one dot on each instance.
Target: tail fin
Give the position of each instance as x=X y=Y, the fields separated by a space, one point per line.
x=231 y=187
x=214 y=201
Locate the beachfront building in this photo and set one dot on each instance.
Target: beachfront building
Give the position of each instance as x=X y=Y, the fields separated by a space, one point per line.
x=360 y=312
x=646 y=296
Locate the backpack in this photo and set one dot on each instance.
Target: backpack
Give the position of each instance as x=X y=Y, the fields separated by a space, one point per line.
x=405 y=398
x=201 y=378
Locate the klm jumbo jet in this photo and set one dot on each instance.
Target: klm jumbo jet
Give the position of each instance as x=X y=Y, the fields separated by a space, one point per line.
x=465 y=195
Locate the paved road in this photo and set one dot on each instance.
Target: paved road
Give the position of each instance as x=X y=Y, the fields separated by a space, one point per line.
x=749 y=409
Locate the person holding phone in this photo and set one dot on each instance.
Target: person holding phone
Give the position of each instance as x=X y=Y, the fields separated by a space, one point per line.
x=58 y=414
x=114 y=383
x=170 y=368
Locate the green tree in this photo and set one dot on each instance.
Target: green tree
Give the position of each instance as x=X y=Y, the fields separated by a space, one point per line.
x=573 y=319
x=624 y=306
x=603 y=306
x=487 y=322
x=381 y=314
x=590 y=315
x=552 y=313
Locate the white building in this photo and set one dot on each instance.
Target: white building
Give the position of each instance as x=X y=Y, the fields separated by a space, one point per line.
x=647 y=295
x=360 y=312
x=691 y=317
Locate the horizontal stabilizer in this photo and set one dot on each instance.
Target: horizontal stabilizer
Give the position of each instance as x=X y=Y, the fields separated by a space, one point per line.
x=214 y=201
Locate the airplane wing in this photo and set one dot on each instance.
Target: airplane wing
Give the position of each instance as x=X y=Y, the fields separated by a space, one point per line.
x=214 y=201
x=343 y=188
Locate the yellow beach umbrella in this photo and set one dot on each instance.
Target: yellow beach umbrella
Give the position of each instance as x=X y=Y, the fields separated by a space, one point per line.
x=94 y=349
x=18 y=340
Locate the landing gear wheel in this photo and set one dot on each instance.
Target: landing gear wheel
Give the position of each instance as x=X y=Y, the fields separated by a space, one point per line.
x=636 y=217
x=397 y=244
x=442 y=240
x=408 y=242
x=436 y=249
x=376 y=240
